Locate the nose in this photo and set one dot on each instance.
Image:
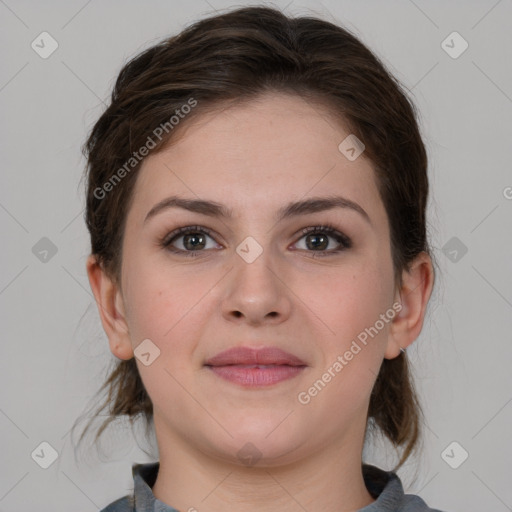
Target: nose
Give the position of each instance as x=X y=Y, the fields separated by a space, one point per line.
x=257 y=293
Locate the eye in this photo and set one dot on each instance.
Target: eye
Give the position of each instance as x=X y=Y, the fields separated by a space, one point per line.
x=318 y=239
x=193 y=239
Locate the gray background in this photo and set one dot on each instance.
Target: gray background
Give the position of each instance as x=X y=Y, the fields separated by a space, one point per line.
x=54 y=352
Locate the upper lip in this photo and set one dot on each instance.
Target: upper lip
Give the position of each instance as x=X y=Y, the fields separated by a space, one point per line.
x=248 y=355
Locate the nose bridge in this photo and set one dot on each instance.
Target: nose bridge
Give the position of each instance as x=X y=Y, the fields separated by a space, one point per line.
x=255 y=264
x=256 y=290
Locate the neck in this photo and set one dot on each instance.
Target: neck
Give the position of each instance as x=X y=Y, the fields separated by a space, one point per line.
x=329 y=480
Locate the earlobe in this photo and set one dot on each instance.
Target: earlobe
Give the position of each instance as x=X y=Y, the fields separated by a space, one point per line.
x=111 y=309
x=417 y=284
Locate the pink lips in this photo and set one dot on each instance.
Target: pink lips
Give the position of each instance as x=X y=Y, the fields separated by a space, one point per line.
x=255 y=367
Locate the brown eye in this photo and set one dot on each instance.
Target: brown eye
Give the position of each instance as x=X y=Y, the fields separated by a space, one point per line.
x=194 y=241
x=318 y=239
x=188 y=241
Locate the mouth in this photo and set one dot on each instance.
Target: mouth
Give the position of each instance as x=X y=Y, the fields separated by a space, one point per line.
x=256 y=375
x=250 y=367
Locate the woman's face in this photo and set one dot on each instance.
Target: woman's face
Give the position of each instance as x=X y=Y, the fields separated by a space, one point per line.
x=255 y=280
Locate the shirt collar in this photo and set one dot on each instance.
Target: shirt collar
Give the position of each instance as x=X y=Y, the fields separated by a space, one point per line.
x=384 y=486
x=144 y=477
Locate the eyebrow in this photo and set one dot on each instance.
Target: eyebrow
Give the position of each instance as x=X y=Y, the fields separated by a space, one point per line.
x=214 y=209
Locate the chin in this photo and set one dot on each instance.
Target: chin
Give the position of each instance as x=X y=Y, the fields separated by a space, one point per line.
x=261 y=443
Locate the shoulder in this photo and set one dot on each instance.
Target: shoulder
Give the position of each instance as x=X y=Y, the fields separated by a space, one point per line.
x=413 y=503
x=388 y=490
x=124 y=504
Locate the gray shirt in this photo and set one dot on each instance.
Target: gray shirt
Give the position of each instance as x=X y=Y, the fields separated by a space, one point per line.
x=384 y=486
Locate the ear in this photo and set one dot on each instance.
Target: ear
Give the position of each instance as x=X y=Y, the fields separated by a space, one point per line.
x=111 y=308
x=414 y=294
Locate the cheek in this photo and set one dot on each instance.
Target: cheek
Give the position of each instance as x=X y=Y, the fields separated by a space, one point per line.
x=165 y=314
x=350 y=299
x=166 y=307
x=351 y=305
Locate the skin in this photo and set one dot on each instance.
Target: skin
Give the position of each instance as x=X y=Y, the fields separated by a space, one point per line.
x=255 y=158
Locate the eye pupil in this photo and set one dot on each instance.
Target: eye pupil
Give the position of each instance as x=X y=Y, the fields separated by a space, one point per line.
x=193 y=238
x=323 y=243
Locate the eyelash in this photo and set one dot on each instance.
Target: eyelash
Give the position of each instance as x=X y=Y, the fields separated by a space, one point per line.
x=325 y=229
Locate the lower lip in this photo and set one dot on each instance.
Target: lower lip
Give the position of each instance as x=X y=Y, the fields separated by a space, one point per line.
x=251 y=376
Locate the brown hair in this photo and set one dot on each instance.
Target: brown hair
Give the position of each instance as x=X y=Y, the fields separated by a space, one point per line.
x=234 y=57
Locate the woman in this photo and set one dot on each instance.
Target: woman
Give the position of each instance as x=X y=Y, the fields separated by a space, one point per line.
x=256 y=202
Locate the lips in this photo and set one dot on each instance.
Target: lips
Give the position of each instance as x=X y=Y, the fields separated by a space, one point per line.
x=255 y=368
x=256 y=376
x=265 y=356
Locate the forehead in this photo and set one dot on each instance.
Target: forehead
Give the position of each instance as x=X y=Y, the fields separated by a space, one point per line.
x=258 y=155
